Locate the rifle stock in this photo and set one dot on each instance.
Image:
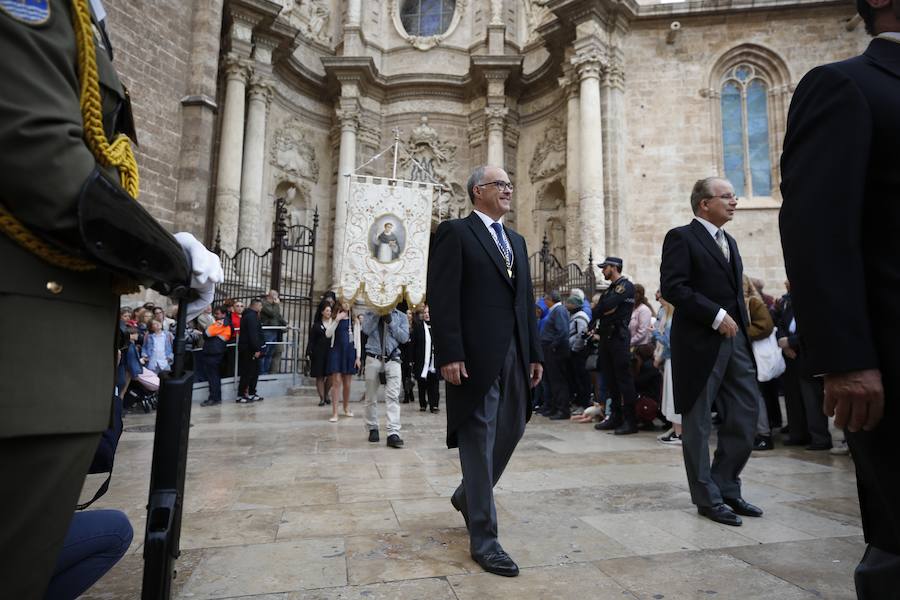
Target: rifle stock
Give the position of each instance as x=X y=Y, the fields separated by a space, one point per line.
x=166 y=497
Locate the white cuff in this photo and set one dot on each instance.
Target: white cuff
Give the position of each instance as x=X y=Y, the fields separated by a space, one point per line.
x=720 y=316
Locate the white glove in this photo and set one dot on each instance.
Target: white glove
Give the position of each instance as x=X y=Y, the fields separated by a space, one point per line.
x=206 y=272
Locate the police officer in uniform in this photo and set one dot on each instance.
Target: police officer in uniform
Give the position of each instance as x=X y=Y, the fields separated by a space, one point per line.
x=72 y=237
x=612 y=314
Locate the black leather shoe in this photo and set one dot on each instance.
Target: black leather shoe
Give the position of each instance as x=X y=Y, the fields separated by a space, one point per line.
x=742 y=507
x=498 y=563
x=559 y=416
x=321 y=403
x=720 y=514
x=435 y=410
x=373 y=435
x=422 y=409
x=763 y=442
x=462 y=509
x=607 y=424
x=394 y=441
x=626 y=429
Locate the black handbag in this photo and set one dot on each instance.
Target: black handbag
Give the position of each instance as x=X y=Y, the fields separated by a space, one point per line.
x=590 y=363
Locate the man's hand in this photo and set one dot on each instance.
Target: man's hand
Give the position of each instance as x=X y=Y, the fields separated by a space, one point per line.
x=537 y=372
x=454 y=372
x=356 y=364
x=855 y=399
x=257 y=354
x=728 y=327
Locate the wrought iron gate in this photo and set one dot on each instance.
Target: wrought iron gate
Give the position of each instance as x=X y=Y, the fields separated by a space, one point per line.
x=547 y=273
x=288 y=267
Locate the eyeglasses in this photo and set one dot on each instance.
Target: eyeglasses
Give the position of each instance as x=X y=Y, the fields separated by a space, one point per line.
x=500 y=185
x=725 y=197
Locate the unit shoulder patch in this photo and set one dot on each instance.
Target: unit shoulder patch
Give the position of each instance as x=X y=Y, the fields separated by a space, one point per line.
x=30 y=12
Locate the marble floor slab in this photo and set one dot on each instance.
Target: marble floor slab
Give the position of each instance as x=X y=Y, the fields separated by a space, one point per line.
x=282 y=505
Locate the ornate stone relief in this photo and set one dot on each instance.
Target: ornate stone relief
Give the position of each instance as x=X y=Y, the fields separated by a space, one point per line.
x=430 y=41
x=435 y=161
x=549 y=157
x=312 y=17
x=536 y=12
x=293 y=155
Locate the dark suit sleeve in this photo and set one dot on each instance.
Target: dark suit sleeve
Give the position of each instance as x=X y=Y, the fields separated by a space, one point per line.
x=675 y=281
x=536 y=354
x=444 y=283
x=824 y=166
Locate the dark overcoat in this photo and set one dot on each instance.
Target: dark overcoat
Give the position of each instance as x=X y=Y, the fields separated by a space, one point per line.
x=477 y=309
x=840 y=231
x=698 y=281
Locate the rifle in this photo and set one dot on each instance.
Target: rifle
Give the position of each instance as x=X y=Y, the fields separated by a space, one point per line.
x=170 y=446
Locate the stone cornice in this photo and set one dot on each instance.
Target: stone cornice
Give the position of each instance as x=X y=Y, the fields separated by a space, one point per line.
x=724 y=7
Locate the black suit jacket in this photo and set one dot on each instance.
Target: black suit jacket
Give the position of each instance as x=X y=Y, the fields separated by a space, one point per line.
x=698 y=281
x=251 y=332
x=417 y=343
x=476 y=309
x=840 y=219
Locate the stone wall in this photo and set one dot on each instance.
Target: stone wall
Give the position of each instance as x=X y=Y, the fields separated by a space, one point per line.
x=151 y=42
x=672 y=131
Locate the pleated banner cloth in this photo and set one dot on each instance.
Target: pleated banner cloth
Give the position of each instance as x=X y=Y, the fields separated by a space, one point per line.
x=384 y=257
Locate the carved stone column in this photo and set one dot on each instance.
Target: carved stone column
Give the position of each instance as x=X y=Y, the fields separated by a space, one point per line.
x=348 y=115
x=352 y=29
x=250 y=226
x=573 y=140
x=495 y=117
x=589 y=64
x=231 y=151
x=612 y=95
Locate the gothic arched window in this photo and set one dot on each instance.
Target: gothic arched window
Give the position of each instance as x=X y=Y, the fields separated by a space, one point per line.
x=749 y=93
x=745 y=132
x=423 y=18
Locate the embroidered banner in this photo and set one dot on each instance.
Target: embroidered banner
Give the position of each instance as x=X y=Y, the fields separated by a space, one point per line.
x=384 y=257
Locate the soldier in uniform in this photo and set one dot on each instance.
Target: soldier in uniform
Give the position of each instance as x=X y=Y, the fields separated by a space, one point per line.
x=613 y=313
x=72 y=237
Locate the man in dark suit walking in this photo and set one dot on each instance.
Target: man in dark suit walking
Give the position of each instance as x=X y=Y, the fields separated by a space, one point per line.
x=841 y=182
x=485 y=336
x=712 y=360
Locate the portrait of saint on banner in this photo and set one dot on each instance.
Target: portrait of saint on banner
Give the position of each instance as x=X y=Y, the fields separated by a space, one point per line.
x=388 y=236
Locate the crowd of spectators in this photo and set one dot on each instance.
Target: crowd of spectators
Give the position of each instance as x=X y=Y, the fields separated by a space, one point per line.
x=214 y=342
x=335 y=352
x=574 y=387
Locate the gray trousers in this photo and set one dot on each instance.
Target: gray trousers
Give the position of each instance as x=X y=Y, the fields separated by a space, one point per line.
x=391 y=394
x=732 y=384
x=486 y=443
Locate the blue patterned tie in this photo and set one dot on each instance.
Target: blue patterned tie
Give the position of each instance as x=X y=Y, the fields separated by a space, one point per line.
x=501 y=243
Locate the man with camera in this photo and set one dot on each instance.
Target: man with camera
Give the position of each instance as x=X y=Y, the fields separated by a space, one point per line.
x=385 y=335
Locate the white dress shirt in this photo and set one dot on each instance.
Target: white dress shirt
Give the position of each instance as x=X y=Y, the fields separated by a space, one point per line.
x=713 y=230
x=487 y=223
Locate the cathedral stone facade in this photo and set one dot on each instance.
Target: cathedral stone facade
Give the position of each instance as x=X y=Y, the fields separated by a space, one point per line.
x=603 y=112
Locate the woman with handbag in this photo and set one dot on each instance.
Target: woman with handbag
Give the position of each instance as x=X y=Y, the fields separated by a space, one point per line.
x=662 y=358
x=343 y=358
x=759 y=330
x=317 y=349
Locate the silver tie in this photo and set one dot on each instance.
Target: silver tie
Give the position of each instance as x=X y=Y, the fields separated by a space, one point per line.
x=723 y=245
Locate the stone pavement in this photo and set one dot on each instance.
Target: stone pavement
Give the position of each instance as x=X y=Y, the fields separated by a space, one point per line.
x=282 y=505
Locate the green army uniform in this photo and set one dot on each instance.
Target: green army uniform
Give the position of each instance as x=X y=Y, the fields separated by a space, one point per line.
x=57 y=349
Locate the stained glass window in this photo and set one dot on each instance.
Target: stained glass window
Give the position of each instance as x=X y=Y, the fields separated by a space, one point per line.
x=427 y=17
x=745 y=132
